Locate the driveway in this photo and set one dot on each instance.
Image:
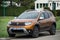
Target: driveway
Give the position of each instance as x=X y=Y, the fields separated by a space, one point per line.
x=42 y=36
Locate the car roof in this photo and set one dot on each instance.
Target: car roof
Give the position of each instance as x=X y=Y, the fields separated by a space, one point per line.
x=30 y=10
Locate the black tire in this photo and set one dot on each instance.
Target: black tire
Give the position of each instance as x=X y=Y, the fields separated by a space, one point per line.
x=52 y=30
x=35 y=32
x=10 y=35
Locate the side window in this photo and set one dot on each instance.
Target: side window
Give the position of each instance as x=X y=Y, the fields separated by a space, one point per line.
x=46 y=15
x=41 y=15
x=50 y=14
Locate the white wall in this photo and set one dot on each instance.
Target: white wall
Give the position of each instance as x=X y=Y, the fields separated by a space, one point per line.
x=41 y=1
x=54 y=0
x=58 y=8
x=38 y=9
x=50 y=6
x=47 y=1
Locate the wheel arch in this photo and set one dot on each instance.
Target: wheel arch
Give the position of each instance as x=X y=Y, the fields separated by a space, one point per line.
x=54 y=23
x=37 y=26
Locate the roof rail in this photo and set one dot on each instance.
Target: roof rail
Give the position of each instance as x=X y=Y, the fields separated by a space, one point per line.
x=29 y=10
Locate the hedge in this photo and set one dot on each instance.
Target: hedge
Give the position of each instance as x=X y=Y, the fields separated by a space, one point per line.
x=12 y=11
x=15 y=11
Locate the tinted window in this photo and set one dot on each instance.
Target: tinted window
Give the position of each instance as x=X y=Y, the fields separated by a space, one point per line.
x=28 y=15
x=50 y=14
x=46 y=15
x=41 y=15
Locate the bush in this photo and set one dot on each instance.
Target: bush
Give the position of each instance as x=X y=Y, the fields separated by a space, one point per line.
x=58 y=12
x=12 y=11
x=57 y=18
x=15 y=11
x=1 y=11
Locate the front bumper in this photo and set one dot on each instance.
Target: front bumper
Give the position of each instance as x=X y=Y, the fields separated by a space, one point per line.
x=18 y=30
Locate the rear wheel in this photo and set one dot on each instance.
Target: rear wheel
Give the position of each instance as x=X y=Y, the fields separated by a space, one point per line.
x=35 y=32
x=52 y=30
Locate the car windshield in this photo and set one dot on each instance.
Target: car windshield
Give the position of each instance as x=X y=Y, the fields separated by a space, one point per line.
x=28 y=15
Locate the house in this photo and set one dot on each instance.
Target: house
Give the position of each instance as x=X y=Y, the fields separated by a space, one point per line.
x=52 y=4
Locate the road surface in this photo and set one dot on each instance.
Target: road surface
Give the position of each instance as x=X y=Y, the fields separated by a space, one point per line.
x=42 y=36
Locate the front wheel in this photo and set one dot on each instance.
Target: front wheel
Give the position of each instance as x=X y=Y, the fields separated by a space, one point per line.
x=35 y=32
x=10 y=35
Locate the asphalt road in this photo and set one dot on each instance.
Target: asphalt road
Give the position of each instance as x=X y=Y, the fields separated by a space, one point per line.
x=42 y=36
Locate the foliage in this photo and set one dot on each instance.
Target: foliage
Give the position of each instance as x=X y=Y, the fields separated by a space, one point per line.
x=47 y=8
x=55 y=12
x=0 y=1
x=25 y=4
x=57 y=18
x=15 y=11
x=3 y=26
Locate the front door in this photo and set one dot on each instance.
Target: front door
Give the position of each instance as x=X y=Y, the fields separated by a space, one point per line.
x=42 y=21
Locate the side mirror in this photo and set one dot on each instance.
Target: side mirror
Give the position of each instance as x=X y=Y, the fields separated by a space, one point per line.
x=41 y=18
x=15 y=17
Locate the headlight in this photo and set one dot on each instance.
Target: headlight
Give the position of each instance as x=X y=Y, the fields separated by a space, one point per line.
x=9 y=23
x=27 y=23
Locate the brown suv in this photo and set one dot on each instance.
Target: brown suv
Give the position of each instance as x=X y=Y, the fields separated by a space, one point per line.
x=32 y=23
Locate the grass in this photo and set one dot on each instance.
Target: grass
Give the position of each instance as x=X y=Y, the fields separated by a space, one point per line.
x=58 y=22
x=4 y=21
x=3 y=24
x=58 y=25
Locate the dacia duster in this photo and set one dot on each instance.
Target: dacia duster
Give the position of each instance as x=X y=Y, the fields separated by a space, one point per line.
x=32 y=23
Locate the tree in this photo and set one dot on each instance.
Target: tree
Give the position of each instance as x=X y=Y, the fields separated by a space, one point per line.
x=1 y=1
x=26 y=2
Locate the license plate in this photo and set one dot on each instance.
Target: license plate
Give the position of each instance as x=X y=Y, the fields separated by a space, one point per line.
x=17 y=28
x=14 y=28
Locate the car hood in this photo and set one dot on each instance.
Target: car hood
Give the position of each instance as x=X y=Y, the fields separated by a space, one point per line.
x=24 y=20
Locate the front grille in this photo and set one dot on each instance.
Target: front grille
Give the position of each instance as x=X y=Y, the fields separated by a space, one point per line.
x=17 y=24
x=18 y=31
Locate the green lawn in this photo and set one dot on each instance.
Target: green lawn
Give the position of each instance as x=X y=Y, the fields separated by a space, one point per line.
x=58 y=25
x=4 y=21
x=3 y=24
